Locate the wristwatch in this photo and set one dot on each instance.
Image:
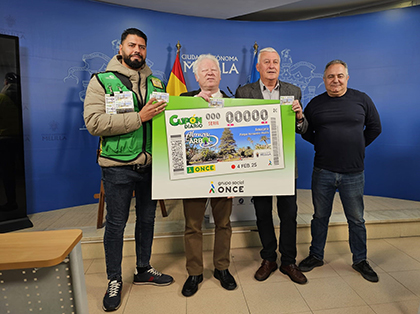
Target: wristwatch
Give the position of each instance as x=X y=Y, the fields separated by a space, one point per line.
x=301 y=119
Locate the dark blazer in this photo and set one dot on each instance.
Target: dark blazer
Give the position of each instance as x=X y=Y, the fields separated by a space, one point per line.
x=196 y=92
x=253 y=91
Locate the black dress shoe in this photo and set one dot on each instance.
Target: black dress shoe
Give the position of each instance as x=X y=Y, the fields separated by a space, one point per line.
x=191 y=285
x=226 y=279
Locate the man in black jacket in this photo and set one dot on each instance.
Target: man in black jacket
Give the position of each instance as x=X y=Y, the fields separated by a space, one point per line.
x=270 y=87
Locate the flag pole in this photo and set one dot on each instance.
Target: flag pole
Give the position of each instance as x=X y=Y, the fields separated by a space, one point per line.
x=176 y=83
x=255 y=75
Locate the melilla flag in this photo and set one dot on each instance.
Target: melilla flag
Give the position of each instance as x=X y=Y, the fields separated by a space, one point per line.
x=255 y=75
x=176 y=83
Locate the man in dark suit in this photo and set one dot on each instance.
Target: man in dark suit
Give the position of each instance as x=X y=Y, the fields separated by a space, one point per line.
x=270 y=87
x=207 y=73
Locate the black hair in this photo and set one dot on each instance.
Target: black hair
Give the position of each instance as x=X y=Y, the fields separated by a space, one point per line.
x=133 y=31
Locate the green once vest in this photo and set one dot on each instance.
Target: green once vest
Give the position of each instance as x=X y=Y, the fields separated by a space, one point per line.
x=127 y=147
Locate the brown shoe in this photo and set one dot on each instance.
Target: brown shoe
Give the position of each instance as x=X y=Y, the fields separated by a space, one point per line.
x=265 y=270
x=294 y=273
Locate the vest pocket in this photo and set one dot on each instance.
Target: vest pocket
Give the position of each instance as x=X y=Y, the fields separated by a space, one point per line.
x=124 y=147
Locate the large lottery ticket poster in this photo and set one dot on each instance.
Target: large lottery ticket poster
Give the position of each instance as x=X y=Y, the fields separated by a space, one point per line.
x=246 y=147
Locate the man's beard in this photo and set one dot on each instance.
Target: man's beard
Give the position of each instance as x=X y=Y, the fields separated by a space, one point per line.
x=134 y=64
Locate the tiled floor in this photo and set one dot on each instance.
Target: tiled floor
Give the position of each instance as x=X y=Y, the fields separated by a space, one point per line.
x=334 y=288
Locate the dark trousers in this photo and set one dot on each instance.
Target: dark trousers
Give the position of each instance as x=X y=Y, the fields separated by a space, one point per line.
x=119 y=184
x=287 y=211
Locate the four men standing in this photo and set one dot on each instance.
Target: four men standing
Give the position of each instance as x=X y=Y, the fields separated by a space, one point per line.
x=340 y=123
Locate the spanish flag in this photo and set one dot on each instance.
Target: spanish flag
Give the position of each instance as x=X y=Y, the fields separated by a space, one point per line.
x=176 y=84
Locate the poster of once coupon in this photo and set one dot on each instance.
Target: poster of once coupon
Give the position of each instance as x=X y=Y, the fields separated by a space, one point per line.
x=239 y=148
x=218 y=141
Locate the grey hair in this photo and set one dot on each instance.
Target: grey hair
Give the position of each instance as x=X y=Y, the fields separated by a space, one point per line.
x=337 y=61
x=268 y=49
x=203 y=57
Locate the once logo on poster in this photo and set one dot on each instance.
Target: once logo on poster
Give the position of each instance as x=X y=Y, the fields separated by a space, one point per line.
x=229 y=187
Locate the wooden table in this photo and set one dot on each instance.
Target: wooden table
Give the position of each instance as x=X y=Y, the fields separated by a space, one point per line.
x=42 y=272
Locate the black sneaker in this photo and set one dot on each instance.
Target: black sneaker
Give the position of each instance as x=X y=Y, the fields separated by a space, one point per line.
x=112 y=298
x=152 y=277
x=367 y=272
x=310 y=263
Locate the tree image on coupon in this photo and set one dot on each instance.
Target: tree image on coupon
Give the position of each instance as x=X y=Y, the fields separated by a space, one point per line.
x=227 y=144
x=227 y=147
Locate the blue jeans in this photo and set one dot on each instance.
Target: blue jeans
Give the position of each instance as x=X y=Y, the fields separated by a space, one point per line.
x=350 y=187
x=119 y=184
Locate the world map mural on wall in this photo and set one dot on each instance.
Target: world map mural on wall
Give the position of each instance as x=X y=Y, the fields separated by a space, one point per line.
x=302 y=74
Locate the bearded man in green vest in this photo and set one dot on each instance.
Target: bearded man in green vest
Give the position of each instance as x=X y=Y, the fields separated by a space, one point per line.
x=119 y=108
